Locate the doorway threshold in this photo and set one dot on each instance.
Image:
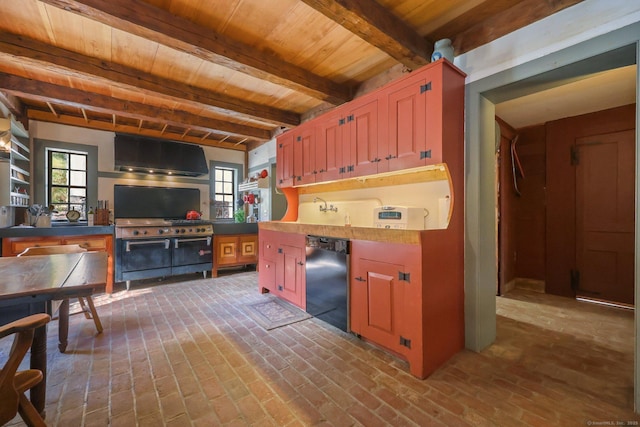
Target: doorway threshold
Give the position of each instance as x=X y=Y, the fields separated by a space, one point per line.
x=606 y=303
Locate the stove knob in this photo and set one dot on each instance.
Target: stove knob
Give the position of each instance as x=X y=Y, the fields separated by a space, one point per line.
x=191 y=230
x=176 y=231
x=144 y=232
x=135 y=232
x=182 y=230
x=160 y=231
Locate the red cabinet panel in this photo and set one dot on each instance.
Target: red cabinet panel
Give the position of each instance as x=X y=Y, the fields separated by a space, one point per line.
x=329 y=147
x=284 y=160
x=363 y=126
x=377 y=296
x=281 y=268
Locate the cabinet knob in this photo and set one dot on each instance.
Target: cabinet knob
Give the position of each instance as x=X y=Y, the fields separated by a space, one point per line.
x=300 y=263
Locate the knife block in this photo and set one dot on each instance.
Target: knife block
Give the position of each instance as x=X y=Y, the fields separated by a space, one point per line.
x=101 y=217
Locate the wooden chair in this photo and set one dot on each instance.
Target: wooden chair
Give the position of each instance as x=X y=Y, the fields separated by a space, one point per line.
x=14 y=384
x=89 y=309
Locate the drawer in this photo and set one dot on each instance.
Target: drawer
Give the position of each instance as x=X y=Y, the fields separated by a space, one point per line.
x=269 y=250
x=17 y=246
x=89 y=243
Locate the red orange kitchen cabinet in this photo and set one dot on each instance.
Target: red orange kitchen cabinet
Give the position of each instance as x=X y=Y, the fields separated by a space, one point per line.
x=281 y=265
x=365 y=132
x=304 y=153
x=409 y=299
x=329 y=146
x=347 y=143
x=285 y=160
x=408 y=123
x=425 y=112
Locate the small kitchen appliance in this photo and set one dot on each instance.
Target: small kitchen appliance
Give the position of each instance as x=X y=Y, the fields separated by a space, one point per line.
x=400 y=217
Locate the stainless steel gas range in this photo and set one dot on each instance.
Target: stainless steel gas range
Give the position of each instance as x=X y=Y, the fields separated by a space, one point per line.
x=148 y=247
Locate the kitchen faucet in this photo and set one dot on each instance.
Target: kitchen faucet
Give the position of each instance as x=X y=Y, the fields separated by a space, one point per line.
x=325 y=208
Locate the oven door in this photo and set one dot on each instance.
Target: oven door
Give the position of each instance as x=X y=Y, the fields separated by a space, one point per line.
x=142 y=259
x=191 y=254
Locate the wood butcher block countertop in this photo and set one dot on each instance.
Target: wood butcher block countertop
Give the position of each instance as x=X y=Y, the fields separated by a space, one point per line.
x=411 y=237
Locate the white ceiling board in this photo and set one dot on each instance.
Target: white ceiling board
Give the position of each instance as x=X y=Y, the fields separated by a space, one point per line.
x=596 y=92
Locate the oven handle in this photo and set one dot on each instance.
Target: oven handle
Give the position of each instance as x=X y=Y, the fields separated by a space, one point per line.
x=208 y=239
x=166 y=243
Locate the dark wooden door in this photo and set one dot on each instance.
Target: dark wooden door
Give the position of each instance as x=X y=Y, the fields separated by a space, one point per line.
x=605 y=216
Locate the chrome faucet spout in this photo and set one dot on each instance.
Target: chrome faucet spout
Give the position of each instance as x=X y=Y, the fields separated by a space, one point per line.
x=322 y=208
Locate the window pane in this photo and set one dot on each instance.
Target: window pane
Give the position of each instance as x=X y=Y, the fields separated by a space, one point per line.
x=59 y=177
x=59 y=195
x=218 y=187
x=60 y=160
x=228 y=188
x=78 y=179
x=218 y=175
x=78 y=162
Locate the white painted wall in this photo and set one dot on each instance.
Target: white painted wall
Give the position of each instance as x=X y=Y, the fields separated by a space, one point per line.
x=108 y=177
x=568 y=27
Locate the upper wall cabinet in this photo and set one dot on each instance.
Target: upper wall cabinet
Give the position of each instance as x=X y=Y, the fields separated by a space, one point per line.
x=407 y=123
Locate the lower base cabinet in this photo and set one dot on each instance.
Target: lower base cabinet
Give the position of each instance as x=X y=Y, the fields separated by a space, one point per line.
x=408 y=299
x=281 y=269
x=12 y=246
x=234 y=250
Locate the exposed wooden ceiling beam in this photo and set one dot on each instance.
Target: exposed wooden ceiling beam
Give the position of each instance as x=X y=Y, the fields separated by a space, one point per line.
x=491 y=20
x=34 y=53
x=379 y=27
x=12 y=103
x=145 y=20
x=44 y=116
x=47 y=92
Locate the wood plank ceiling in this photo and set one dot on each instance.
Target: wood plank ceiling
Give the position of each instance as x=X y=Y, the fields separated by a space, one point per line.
x=225 y=73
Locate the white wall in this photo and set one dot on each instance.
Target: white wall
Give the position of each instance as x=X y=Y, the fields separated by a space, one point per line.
x=108 y=177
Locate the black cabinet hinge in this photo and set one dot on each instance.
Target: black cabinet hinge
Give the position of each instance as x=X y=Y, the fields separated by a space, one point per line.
x=425 y=154
x=424 y=88
x=350 y=168
x=342 y=170
x=350 y=118
x=404 y=276
x=341 y=122
x=280 y=288
x=279 y=250
x=575 y=157
x=280 y=145
x=299 y=138
x=405 y=342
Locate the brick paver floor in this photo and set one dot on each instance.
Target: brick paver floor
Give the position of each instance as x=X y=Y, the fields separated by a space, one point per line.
x=186 y=354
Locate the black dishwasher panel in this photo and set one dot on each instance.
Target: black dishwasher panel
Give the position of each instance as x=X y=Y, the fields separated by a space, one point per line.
x=326 y=268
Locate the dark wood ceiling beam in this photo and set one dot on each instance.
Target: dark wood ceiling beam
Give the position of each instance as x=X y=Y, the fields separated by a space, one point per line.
x=145 y=20
x=487 y=22
x=45 y=116
x=378 y=27
x=61 y=95
x=34 y=53
x=12 y=103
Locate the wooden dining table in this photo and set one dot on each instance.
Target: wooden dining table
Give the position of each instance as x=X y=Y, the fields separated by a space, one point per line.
x=29 y=284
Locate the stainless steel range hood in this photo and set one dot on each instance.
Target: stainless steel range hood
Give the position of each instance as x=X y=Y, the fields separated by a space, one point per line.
x=157 y=156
